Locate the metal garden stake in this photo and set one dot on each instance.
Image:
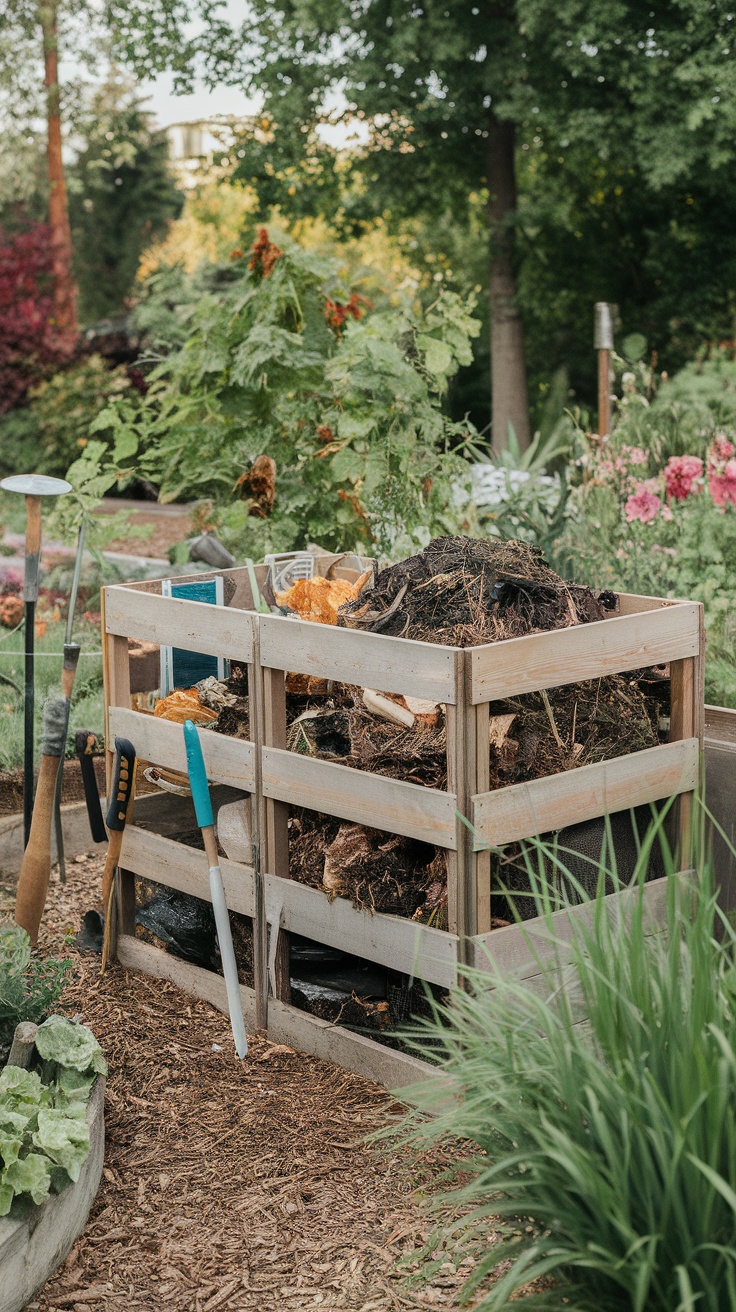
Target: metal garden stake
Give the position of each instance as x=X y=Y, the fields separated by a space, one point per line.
x=71 y=659
x=33 y=487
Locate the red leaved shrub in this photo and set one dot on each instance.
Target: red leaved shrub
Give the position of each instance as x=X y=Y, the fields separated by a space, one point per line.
x=28 y=345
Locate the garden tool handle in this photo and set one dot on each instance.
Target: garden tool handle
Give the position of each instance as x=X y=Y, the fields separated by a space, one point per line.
x=203 y=810
x=33 y=547
x=121 y=792
x=84 y=740
x=33 y=880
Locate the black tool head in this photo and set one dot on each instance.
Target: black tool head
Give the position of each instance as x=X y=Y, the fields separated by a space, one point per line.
x=122 y=783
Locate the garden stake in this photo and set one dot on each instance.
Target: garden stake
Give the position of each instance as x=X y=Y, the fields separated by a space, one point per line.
x=71 y=658
x=205 y=820
x=33 y=880
x=33 y=486
x=122 y=794
x=603 y=342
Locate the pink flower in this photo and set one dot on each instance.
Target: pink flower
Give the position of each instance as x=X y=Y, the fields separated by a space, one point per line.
x=721 y=449
x=722 y=483
x=681 y=474
x=643 y=504
x=635 y=455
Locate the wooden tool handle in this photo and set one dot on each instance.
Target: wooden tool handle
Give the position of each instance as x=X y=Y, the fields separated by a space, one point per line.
x=33 y=525
x=111 y=861
x=33 y=880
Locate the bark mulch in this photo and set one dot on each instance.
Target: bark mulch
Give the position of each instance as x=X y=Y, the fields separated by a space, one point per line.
x=227 y=1185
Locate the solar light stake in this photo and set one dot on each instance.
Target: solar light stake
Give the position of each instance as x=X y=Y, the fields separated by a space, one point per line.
x=603 y=342
x=33 y=487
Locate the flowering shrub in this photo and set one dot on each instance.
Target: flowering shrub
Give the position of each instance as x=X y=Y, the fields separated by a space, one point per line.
x=671 y=533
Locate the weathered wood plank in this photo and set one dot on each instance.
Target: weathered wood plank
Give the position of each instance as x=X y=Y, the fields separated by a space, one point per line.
x=542 y=805
x=720 y=725
x=185 y=868
x=523 y=950
x=161 y=742
x=420 y=950
x=370 y=660
x=177 y=622
x=286 y=1024
x=367 y=799
x=586 y=651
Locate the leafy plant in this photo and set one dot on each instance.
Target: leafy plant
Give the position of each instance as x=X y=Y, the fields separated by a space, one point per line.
x=57 y=415
x=282 y=359
x=609 y=1151
x=29 y=986
x=44 y=1136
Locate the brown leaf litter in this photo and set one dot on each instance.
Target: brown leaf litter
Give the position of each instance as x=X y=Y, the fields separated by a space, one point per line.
x=246 y=1187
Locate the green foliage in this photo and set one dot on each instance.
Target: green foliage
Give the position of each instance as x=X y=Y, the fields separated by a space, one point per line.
x=688 y=547
x=44 y=1136
x=29 y=986
x=608 y=1152
x=122 y=196
x=348 y=403
x=57 y=416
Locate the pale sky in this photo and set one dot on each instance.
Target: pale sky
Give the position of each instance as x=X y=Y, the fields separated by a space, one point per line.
x=202 y=104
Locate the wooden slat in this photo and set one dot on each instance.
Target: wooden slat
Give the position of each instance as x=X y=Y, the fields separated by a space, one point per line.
x=185 y=868
x=286 y=1024
x=420 y=950
x=176 y=622
x=161 y=742
x=633 y=603
x=586 y=651
x=367 y=799
x=370 y=660
x=542 y=805
x=523 y=950
x=720 y=725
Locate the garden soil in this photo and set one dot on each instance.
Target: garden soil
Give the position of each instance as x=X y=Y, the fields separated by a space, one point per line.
x=247 y=1187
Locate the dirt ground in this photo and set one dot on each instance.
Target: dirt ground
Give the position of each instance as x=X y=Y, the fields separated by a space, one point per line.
x=247 y=1187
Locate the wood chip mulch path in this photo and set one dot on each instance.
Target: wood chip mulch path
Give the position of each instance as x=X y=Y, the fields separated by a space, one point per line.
x=228 y=1185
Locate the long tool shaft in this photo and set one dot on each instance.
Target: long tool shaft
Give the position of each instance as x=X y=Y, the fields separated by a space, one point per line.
x=71 y=657
x=30 y=597
x=205 y=820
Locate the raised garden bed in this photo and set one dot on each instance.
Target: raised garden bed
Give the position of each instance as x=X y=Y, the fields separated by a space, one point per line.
x=641 y=632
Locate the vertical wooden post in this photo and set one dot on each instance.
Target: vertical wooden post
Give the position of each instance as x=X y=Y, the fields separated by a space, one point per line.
x=260 y=928
x=273 y=702
x=468 y=872
x=116 y=682
x=603 y=342
x=687 y=720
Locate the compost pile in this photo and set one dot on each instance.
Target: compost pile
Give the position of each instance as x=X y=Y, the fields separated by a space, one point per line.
x=457 y=592
x=462 y=592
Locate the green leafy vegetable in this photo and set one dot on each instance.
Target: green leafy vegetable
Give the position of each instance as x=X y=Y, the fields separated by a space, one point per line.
x=72 y=1046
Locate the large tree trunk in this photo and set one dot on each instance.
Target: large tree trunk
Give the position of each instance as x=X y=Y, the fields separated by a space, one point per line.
x=64 y=287
x=510 y=399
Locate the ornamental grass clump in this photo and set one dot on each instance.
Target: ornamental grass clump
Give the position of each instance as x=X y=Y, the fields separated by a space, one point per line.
x=605 y=1174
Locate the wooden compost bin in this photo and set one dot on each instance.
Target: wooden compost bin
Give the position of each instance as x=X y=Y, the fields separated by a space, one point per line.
x=643 y=632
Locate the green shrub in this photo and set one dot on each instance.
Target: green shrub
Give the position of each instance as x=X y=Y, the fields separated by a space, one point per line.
x=55 y=421
x=281 y=359
x=29 y=986
x=607 y=1157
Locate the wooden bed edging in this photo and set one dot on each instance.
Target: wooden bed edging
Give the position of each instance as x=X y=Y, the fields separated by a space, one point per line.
x=32 y=1248
x=539 y=806
x=286 y=1024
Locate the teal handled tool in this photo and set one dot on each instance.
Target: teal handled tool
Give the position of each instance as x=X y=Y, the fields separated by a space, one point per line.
x=203 y=810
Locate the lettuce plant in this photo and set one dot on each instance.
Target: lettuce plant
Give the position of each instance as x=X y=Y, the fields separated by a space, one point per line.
x=44 y=1136
x=29 y=986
